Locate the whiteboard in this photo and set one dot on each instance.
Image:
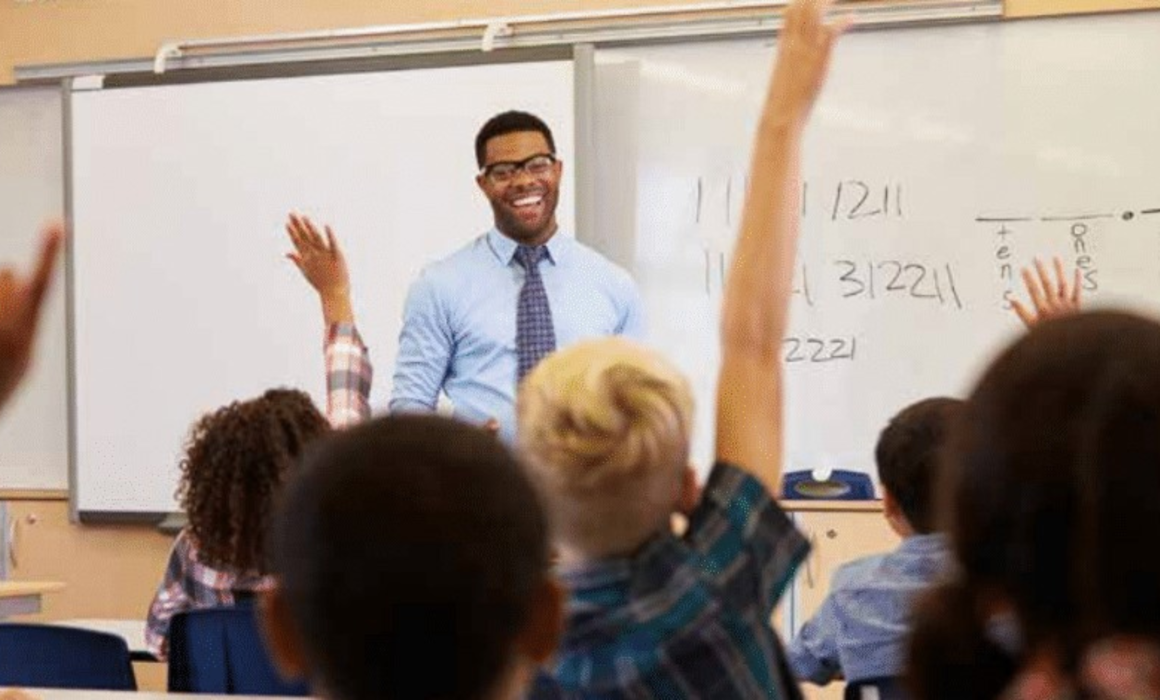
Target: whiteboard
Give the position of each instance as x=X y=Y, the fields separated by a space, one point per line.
x=34 y=426
x=923 y=140
x=184 y=300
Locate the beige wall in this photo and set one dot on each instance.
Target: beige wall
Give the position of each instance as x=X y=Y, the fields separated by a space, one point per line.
x=59 y=31
x=1035 y=8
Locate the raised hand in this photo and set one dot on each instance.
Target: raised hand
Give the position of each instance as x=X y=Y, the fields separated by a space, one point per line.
x=1049 y=299
x=21 y=301
x=321 y=262
x=803 y=59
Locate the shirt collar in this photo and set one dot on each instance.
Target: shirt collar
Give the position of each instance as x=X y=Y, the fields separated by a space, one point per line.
x=924 y=544
x=504 y=248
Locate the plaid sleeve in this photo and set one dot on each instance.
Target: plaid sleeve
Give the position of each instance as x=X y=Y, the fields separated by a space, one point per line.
x=172 y=597
x=348 y=376
x=748 y=543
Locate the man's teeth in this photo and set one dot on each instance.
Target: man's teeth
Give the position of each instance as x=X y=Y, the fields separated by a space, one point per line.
x=528 y=201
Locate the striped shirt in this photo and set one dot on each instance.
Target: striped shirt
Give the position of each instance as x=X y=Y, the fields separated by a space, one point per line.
x=188 y=583
x=686 y=617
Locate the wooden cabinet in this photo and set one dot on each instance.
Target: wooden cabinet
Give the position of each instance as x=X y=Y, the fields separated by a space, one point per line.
x=109 y=571
x=838 y=533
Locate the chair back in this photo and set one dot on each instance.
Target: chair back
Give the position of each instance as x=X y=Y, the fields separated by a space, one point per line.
x=221 y=651
x=876 y=689
x=55 y=656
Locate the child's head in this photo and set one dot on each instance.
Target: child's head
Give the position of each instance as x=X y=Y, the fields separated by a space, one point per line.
x=908 y=456
x=605 y=428
x=412 y=558
x=236 y=462
x=1053 y=494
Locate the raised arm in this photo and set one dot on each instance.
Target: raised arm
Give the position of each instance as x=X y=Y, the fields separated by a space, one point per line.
x=21 y=301
x=348 y=367
x=757 y=293
x=1048 y=299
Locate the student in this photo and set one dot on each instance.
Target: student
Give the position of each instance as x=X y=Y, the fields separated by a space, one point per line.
x=21 y=302
x=237 y=460
x=1053 y=502
x=859 y=632
x=605 y=427
x=1049 y=298
x=412 y=562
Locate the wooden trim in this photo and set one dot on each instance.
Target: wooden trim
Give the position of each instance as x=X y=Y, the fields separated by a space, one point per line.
x=806 y=506
x=1043 y=8
x=15 y=589
x=33 y=494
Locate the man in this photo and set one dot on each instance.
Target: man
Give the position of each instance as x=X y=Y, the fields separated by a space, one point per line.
x=477 y=321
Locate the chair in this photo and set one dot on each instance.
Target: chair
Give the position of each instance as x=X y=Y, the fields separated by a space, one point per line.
x=53 y=656
x=875 y=689
x=220 y=650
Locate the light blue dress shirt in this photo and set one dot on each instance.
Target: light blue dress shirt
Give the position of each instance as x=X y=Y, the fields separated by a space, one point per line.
x=459 y=323
x=860 y=631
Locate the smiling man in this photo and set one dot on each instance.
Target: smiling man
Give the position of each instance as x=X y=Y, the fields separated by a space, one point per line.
x=478 y=320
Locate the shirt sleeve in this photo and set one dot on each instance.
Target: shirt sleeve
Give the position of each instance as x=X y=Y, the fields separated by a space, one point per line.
x=424 y=357
x=170 y=599
x=348 y=376
x=813 y=653
x=747 y=542
x=632 y=321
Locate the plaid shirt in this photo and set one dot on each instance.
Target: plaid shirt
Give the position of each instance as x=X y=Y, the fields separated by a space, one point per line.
x=686 y=617
x=189 y=584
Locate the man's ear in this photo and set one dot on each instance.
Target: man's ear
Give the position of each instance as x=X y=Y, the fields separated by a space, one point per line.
x=481 y=183
x=281 y=635
x=545 y=626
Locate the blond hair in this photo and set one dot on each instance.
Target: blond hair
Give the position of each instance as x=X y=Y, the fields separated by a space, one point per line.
x=605 y=428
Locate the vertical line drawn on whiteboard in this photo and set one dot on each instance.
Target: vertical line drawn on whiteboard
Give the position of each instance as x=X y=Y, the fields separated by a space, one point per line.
x=700 y=197
x=729 y=201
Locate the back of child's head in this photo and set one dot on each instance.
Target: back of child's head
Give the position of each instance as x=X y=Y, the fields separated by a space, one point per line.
x=236 y=462
x=1052 y=487
x=909 y=454
x=605 y=427
x=410 y=553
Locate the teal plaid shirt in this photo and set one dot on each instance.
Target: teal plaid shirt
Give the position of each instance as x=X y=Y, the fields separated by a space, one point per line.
x=686 y=617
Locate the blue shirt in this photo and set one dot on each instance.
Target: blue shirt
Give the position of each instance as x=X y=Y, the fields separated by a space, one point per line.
x=686 y=617
x=459 y=323
x=860 y=630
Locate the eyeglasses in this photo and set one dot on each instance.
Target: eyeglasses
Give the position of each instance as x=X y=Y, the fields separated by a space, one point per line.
x=504 y=172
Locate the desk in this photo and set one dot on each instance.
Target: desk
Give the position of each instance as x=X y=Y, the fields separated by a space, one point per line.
x=23 y=597
x=132 y=631
x=53 y=694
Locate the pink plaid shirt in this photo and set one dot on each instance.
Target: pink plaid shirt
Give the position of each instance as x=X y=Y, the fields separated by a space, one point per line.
x=190 y=584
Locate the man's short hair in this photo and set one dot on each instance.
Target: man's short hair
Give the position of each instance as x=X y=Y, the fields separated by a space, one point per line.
x=909 y=453
x=510 y=122
x=410 y=550
x=605 y=427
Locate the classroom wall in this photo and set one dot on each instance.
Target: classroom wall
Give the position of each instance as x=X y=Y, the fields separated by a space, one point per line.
x=112 y=571
x=61 y=31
